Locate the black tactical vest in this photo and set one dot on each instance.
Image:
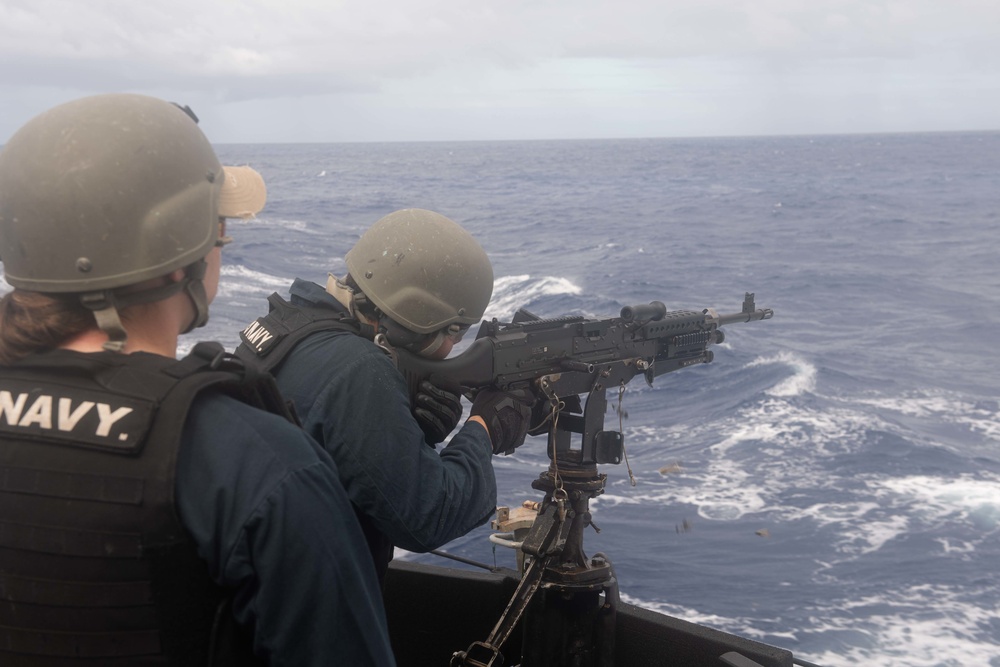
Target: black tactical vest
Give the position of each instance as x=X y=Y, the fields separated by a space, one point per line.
x=268 y=340
x=95 y=567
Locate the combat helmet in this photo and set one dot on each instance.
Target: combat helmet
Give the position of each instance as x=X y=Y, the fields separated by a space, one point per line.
x=109 y=191
x=422 y=270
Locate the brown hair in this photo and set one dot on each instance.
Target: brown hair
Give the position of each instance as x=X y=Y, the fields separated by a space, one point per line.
x=32 y=322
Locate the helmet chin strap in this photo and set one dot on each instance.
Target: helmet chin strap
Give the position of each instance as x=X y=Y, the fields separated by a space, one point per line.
x=106 y=304
x=103 y=305
x=194 y=286
x=437 y=340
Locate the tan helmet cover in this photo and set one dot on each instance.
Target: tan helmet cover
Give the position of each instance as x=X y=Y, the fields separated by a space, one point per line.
x=106 y=191
x=422 y=270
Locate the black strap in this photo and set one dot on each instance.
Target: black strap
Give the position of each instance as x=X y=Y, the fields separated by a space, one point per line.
x=243 y=382
x=267 y=340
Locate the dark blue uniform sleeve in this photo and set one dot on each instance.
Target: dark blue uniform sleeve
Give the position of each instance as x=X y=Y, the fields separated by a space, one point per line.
x=354 y=402
x=263 y=503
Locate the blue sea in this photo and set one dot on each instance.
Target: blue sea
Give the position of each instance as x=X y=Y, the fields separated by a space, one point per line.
x=829 y=484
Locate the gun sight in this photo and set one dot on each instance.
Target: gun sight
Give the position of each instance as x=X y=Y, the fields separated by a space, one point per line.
x=650 y=312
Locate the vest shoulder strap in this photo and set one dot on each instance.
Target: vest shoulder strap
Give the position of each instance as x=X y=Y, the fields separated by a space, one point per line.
x=267 y=340
x=209 y=364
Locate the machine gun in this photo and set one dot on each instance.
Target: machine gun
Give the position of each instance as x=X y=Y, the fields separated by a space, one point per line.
x=569 y=356
x=567 y=602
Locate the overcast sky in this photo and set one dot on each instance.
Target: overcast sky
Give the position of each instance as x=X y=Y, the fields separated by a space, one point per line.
x=401 y=70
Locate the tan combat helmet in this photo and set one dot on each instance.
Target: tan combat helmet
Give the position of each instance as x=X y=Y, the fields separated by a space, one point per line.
x=423 y=271
x=108 y=191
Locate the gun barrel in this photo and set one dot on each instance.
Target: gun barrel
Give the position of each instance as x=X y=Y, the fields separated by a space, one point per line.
x=752 y=316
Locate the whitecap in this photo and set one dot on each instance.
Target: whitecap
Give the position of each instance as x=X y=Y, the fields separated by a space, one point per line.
x=270 y=223
x=965 y=499
x=513 y=292
x=678 y=611
x=802 y=381
x=978 y=416
x=914 y=626
x=793 y=428
x=238 y=280
x=720 y=490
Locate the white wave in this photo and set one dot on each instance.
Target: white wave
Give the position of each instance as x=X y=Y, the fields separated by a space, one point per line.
x=914 y=405
x=748 y=459
x=912 y=627
x=918 y=626
x=267 y=222
x=719 y=489
x=802 y=381
x=513 y=292
x=237 y=280
x=778 y=444
x=678 y=611
x=979 y=417
x=946 y=500
x=864 y=526
x=780 y=427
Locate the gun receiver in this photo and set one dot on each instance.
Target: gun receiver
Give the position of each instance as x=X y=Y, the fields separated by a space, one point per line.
x=569 y=356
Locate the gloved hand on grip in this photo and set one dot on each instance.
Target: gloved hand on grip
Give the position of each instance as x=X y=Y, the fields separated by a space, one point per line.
x=437 y=410
x=507 y=415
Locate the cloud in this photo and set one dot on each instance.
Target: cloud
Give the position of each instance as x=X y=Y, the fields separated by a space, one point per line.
x=529 y=57
x=360 y=40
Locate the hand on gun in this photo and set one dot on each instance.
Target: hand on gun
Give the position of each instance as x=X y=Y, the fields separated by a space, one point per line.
x=437 y=410
x=507 y=415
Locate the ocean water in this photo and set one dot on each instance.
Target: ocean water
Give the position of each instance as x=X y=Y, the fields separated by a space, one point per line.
x=831 y=482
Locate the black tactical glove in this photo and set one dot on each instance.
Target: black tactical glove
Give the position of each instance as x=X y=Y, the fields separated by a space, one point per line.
x=437 y=410
x=507 y=415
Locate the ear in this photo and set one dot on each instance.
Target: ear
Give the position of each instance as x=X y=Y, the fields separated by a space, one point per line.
x=176 y=275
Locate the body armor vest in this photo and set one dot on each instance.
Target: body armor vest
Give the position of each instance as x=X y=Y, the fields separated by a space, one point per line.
x=268 y=340
x=95 y=566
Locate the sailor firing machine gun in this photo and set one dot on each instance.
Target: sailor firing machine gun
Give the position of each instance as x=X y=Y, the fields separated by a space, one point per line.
x=567 y=600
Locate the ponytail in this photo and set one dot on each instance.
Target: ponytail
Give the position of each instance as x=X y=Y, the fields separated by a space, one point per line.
x=32 y=322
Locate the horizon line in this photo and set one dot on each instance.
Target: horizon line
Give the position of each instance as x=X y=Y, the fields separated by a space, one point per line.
x=792 y=135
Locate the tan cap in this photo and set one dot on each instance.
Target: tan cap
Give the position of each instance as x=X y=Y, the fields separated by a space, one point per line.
x=243 y=194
